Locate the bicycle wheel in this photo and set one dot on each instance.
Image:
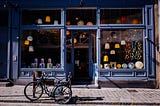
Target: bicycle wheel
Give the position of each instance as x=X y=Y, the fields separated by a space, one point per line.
x=62 y=94
x=33 y=91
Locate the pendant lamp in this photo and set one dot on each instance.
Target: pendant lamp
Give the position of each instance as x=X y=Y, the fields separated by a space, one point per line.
x=31 y=49
x=105 y=58
x=26 y=42
x=117 y=46
x=48 y=19
x=107 y=46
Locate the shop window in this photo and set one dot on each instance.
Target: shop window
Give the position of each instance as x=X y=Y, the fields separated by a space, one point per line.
x=4 y=18
x=38 y=17
x=121 y=16
x=122 y=49
x=40 y=49
x=81 y=17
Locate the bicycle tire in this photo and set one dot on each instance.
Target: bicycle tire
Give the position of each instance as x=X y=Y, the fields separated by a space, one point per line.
x=62 y=94
x=33 y=92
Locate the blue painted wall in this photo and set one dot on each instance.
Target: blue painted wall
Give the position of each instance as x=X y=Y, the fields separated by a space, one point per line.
x=12 y=33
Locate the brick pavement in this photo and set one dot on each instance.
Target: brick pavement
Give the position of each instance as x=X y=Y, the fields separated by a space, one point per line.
x=111 y=96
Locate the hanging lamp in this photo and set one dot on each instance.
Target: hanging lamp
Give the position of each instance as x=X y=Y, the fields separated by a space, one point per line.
x=48 y=19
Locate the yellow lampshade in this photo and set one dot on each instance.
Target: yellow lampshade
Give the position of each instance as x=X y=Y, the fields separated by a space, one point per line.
x=118 y=65
x=118 y=21
x=105 y=58
x=117 y=46
x=26 y=42
x=48 y=19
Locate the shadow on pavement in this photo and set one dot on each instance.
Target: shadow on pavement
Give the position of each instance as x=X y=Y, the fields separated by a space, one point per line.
x=76 y=98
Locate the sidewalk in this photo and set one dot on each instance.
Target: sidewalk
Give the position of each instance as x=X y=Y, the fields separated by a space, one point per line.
x=110 y=96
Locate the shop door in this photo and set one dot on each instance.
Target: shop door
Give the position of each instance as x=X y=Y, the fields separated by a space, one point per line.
x=81 y=55
x=81 y=65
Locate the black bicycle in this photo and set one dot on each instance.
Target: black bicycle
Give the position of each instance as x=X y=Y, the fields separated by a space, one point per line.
x=61 y=91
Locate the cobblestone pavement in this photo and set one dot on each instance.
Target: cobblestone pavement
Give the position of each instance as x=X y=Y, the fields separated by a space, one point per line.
x=103 y=96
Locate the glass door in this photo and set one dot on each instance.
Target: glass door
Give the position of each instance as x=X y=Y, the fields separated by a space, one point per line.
x=81 y=53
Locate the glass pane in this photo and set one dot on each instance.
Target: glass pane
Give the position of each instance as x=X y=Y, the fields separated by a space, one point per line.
x=81 y=17
x=81 y=40
x=4 y=18
x=122 y=48
x=121 y=16
x=40 y=48
x=31 y=17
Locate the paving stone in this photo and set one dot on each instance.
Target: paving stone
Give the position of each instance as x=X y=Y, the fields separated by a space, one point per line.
x=135 y=96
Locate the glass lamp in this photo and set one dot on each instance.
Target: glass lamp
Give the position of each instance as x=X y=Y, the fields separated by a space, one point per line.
x=48 y=19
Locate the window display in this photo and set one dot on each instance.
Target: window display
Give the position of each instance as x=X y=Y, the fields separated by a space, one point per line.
x=81 y=17
x=38 y=17
x=122 y=49
x=40 y=49
x=121 y=16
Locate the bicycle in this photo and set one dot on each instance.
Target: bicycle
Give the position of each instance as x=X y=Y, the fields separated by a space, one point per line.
x=61 y=91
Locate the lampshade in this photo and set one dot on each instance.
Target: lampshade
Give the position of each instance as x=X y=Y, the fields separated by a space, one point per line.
x=68 y=32
x=29 y=38
x=105 y=58
x=89 y=23
x=118 y=65
x=31 y=49
x=55 y=22
x=117 y=46
x=39 y=21
x=107 y=46
x=112 y=52
x=48 y=19
x=68 y=23
x=26 y=42
x=123 y=42
x=118 y=21
x=80 y=23
x=135 y=21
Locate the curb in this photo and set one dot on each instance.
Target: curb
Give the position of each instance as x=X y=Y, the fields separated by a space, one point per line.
x=82 y=102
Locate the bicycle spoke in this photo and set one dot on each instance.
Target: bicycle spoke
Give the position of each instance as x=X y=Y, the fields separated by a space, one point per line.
x=62 y=94
x=33 y=91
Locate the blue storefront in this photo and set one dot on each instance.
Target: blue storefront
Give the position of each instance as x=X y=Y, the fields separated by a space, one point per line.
x=96 y=40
